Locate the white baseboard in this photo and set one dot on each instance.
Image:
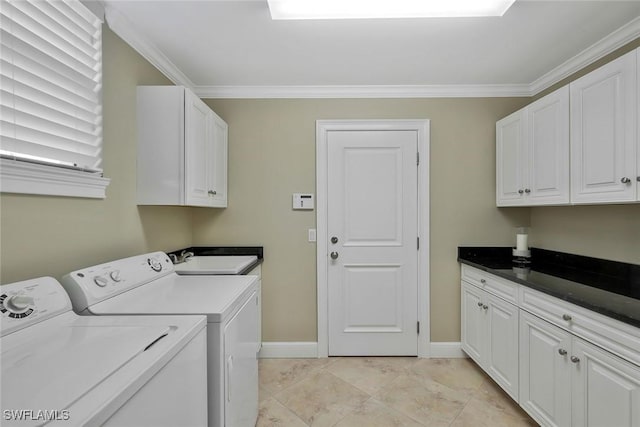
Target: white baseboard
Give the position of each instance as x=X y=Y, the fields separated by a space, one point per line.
x=289 y=350
x=309 y=350
x=447 y=350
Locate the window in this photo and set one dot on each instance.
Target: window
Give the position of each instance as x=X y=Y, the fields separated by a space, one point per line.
x=50 y=99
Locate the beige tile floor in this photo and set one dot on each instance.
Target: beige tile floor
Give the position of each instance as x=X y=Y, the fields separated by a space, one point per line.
x=382 y=391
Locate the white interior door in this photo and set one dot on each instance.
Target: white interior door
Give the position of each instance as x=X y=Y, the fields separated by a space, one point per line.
x=372 y=224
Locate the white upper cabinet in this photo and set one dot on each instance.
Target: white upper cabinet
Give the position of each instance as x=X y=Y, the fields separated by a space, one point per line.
x=532 y=153
x=182 y=149
x=604 y=122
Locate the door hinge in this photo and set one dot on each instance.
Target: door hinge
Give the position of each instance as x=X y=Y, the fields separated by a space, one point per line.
x=418 y=158
x=418 y=243
x=418 y=327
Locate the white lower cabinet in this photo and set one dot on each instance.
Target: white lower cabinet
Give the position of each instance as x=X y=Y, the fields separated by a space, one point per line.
x=565 y=365
x=490 y=335
x=566 y=381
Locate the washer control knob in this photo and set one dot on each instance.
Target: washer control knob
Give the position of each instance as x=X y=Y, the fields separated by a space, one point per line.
x=18 y=303
x=115 y=275
x=155 y=264
x=101 y=281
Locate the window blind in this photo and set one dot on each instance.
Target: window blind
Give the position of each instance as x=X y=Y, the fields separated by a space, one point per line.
x=51 y=83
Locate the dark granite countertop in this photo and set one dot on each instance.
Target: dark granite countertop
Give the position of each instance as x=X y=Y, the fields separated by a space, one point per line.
x=607 y=287
x=226 y=251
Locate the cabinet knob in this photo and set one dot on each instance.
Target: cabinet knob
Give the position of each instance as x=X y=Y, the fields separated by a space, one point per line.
x=520 y=191
x=575 y=359
x=479 y=304
x=334 y=255
x=566 y=317
x=638 y=178
x=625 y=180
x=483 y=281
x=527 y=190
x=562 y=352
x=212 y=192
x=334 y=240
x=485 y=306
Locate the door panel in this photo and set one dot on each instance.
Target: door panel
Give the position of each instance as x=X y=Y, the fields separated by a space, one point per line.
x=603 y=122
x=545 y=377
x=473 y=324
x=510 y=159
x=549 y=148
x=372 y=211
x=197 y=142
x=606 y=389
x=502 y=352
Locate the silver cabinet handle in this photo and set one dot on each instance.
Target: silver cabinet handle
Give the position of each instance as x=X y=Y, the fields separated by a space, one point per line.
x=575 y=359
x=566 y=317
x=562 y=352
x=527 y=190
x=334 y=255
x=480 y=304
x=520 y=191
x=483 y=281
x=334 y=240
x=625 y=180
x=485 y=306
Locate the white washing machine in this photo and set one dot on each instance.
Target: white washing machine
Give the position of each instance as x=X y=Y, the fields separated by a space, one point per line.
x=147 y=284
x=59 y=368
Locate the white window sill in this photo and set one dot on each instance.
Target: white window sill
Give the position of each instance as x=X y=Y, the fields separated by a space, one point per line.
x=28 y=178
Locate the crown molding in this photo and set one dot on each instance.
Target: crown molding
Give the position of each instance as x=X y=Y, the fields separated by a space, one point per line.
x=363 y=91
x=120 y=25
x=125 y=30
x=601 y=48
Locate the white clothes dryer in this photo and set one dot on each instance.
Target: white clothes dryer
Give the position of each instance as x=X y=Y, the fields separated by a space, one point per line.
x=59 y=368
x=147 y=285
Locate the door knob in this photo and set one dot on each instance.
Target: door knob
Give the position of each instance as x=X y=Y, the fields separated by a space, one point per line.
x=334 y=255
x=625 y=180
x=334 y=240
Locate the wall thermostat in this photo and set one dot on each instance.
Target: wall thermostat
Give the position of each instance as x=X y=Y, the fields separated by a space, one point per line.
x=302 y=201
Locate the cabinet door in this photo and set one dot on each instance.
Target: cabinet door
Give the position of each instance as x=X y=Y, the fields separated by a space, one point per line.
x=218 y=168
x=474 y=330
x=198 y=151
x=502 y=349
x=548 y=149
x=606 y=389
x=545 y=375
x=638 y=128
x=511 y=167
x=603 y=125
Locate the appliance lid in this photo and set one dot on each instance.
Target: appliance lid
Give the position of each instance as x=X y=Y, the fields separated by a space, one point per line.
x=218 y=264
x=214 y=296
x=56 y=368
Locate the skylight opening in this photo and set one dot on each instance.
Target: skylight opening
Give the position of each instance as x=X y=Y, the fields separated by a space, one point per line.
x=380 y=9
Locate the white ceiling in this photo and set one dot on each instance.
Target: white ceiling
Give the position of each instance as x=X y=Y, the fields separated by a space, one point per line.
x=220 y=44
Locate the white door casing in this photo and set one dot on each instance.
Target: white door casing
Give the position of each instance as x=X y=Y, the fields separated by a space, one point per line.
x=368 y=184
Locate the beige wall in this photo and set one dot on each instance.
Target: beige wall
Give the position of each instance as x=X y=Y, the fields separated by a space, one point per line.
x=604 y=231
x=272 y=155
x=54 y=235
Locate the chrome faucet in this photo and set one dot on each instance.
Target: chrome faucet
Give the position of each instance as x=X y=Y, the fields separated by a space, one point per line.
x=185 y=255
x=179 y=259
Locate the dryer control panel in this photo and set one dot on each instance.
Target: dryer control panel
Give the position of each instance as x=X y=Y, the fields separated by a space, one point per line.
x=31 y=301
x=92 y=285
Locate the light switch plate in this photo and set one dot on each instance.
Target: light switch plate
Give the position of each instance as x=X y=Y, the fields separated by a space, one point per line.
x=303 y=201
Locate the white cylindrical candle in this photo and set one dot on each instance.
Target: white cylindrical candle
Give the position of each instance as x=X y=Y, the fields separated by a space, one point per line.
x=521 y=242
